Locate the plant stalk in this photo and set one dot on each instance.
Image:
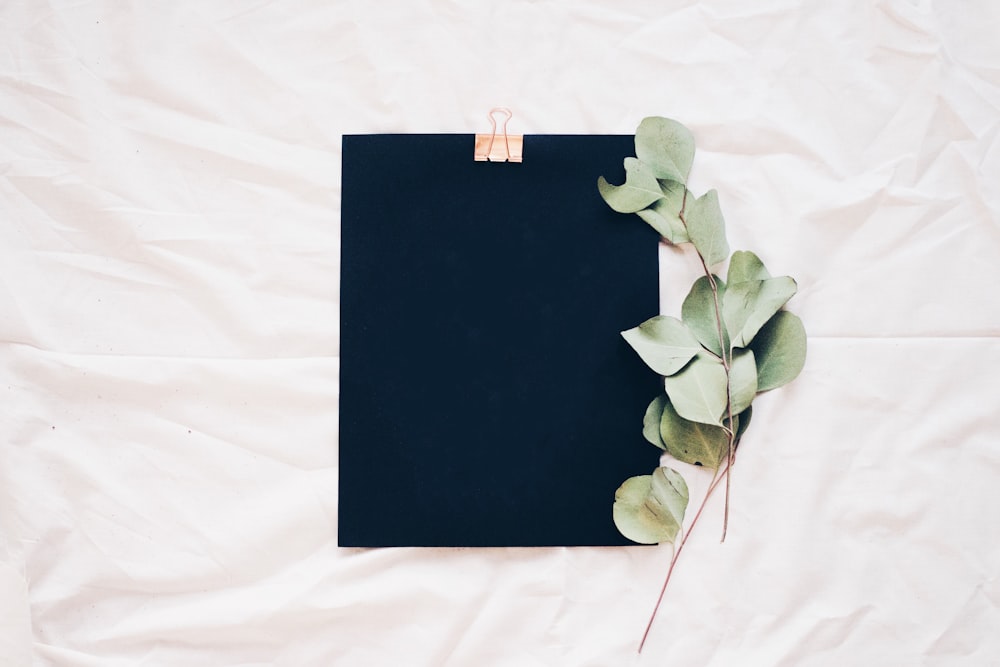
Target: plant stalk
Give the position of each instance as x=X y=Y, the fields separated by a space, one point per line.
x=726 y=358
x=730 y=431
x=677 y=552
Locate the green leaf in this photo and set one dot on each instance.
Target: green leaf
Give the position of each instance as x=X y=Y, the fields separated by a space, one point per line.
x=639 y=191
x=748 y=306
x=664 y=214
x=666 y=146
x=743 y=421
x=698 y=313
x=698 y=392
x=744 y=266
x=742 y=380
x=780 y=350
x=691 y=442
x=664 y=343
x=651 y=421
x=649 y=509
x=706 y=227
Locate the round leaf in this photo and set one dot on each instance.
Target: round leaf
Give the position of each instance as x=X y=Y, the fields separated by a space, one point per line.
x=666 y=146
x=649 y=509
x=780 y=350
x=698 y=392
x=698 y=313
x=706 y=227
x=639 y=191
x=743 y=421
x=691 y=442
x=742 y=380
x=748 y=305
x=651 y=421
x=664 y=343
x=664 y=214
x=744 y=266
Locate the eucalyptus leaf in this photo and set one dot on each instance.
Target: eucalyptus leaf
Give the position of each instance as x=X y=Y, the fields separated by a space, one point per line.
x=699 y=392
x=666 y=146
x=664 y=214
x=743 y=421
x=649 y=509
x=698 y=313
x=748 y=306
x=780 y=350
x=706 y=227
x=651 y=421
x=664 y=343
x=639 y=190
x=691 y=442
x=742 y=380
x=744 y=266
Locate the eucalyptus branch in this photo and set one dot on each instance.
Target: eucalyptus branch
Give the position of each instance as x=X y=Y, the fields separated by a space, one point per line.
x=712 y=367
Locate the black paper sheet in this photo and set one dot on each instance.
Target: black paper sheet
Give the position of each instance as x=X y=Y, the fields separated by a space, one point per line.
x=486 y=396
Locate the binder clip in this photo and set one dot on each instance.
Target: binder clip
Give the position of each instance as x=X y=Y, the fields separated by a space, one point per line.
x=504 y=148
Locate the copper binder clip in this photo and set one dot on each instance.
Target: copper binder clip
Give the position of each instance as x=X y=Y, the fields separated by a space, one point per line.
x=505 y=148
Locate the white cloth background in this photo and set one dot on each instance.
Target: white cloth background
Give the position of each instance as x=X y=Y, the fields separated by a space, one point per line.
x=169 y=202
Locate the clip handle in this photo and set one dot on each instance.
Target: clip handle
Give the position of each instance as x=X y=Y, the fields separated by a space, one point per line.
x=497 y=148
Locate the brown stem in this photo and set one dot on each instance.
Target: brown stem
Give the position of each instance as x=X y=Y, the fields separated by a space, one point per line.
x=730 y=431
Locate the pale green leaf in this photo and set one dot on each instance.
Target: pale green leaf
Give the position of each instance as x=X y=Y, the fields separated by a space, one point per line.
x=666 y=146
x=664 y=214
x=691 y=442
x=698 y=313
x=744 y=266
x=649 y=509
x=664 y=343
x=698 y=392
x=639 y=191
x=651 y=421
x=780 y=350
x=748 y=305
x=706 y=227
x=742 y=380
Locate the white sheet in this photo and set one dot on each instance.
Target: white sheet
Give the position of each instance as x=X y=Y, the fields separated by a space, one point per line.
x=169 y=200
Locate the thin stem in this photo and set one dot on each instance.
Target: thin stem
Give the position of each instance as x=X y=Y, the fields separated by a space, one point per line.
x=730 y=431
x=677 y=551
x=728 y=427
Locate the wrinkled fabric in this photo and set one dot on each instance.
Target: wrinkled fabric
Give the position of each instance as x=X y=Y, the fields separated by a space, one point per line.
x=169 y=258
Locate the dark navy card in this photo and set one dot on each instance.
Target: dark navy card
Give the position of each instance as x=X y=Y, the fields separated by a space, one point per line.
x=486 y=396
